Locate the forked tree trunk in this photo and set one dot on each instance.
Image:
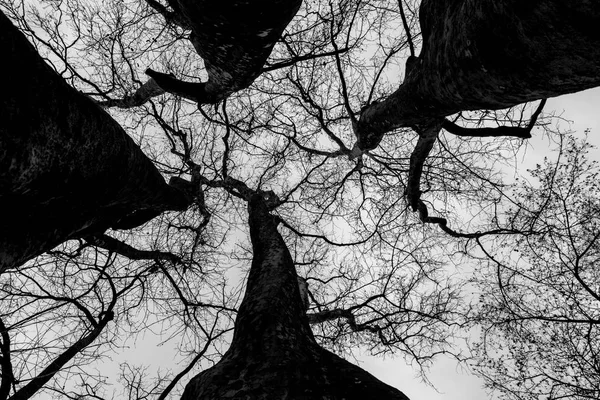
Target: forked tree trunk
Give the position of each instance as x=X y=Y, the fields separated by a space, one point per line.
x=490 y=54
x=67 y=169
x=273 y=354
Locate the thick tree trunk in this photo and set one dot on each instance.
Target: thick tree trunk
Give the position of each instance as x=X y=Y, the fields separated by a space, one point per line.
x=490 y=54
x=233 y=37
x=67 y=169
x=273 y=354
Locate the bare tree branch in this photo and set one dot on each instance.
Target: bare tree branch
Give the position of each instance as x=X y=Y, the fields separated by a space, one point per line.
x=106 y=242
x=147 y=91
x=509 y=131
x=55 y=366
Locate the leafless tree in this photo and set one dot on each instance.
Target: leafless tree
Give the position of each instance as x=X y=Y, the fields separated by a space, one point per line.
x=359 y=177
x=540 y=327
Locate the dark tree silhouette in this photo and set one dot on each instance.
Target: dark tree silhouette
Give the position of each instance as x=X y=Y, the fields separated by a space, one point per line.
x=489 y=55
x=234 y=38
x=67 y=169
x=273 y=353
x=307 y=114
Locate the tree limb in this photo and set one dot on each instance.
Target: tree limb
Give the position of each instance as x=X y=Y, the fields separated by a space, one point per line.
x=337 y=313
x=427 y=137
x=511 y=131
x=195 y=91
x=145 y=92
x=7 y=378
x=55 y=366
x=109 y=243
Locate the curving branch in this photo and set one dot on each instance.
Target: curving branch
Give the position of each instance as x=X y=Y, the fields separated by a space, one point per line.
x=329 y=315
x=427 y=137
x=409 y=37
x=109 y=243
x=523 y=132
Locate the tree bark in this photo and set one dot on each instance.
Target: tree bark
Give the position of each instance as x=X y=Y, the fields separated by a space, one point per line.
x=273 y=354
x=490 y=54
x=233 y=37
x=67 y=169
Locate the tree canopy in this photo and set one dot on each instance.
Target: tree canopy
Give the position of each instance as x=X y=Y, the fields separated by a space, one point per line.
x=330 y=167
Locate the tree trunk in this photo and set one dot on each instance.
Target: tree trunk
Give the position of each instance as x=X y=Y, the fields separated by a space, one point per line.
x=233 y=37
x=273 y=354
x=490 y=54
x=67 y=169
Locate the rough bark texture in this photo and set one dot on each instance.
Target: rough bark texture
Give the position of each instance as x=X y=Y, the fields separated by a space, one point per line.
x=67 y=169
x=490 y=54
x=233 y=37
x=273 y=354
